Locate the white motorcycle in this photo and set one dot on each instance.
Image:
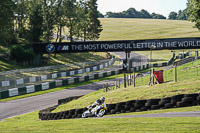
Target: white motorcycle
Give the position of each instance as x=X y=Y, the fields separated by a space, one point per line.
x=93 y=112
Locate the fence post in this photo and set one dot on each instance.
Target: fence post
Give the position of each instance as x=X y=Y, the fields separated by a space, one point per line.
x=124 y=80
x=119 y=83
x=106 y=87
x=131 y=79
x=175 y=76
x=153 y=75
x=127 y=79
x=134 y=78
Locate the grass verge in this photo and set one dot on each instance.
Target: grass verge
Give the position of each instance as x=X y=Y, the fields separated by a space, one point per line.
x=188 y=82
x=30 y=123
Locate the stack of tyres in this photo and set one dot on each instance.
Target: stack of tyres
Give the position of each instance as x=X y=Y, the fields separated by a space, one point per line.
x=164 y=101
x=152 y=104
x=198 y=100
x=120 y=107
x=188 y=100
x=110 y=109
x=129 y=106
x=174 y=101
x=139 y=104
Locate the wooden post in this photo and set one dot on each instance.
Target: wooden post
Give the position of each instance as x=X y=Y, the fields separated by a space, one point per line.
x=106 y=87
x=175 y=76
x=131 y=79
x=124 y=80
x=119 y=83
x=134 y=78
x=127 y=79
x=116 y=85
x=152 y=76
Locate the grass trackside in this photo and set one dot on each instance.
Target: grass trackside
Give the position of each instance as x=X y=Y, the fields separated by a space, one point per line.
x=188 y=82
x=30 y=123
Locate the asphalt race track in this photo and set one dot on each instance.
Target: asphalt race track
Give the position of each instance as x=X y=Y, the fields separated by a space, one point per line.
x=35 y=103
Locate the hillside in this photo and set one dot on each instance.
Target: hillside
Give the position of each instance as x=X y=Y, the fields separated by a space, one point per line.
x=132 y=29
x=125 y=29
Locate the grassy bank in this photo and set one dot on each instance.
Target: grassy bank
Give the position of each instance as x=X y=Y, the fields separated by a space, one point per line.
x=188 y=82
x=30 y=123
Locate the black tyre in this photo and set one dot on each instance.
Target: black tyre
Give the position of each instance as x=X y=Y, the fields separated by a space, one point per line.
x=79 y=111
x=182 y=104
x=166 y=99
x=123 y=111
x=144 y=108
x=154 y=107
x=188 y=99
x=168 y=105
x=118 y=112
x=162 y=102
x=140 y=103
x=192 y=95
x=130 y=102
x=79 y=115
x=72 y=111
x=178 y=97
x=132 y=109
x=151 y=102
x=137 y=110
x=111 y=106
x=113 y=111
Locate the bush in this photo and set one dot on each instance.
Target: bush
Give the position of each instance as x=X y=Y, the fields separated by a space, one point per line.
x=18 y=54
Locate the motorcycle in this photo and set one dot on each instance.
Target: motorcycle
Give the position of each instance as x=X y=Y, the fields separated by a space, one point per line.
x=93 y=112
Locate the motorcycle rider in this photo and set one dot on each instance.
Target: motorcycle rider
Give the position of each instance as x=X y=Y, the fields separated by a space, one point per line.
x=100 y=105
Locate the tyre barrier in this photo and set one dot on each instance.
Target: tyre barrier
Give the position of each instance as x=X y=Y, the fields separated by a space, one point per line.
x=53 y=84
x=182 y=100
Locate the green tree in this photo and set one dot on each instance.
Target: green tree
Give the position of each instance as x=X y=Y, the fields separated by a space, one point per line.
x=61 y=21
x=94 y=27
x=35 y=26
x=132 y=13
x=157 y=16
x=193 y=12
x=82 y=20
x=71 y=16
x=6 y=21
x=145 y=14
x=182 y=15
x=21 y=13
x=172 y=15
x=49 y=18
x=100 y=15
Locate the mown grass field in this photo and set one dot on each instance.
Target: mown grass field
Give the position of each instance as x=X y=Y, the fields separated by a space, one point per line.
x=138 y=29
x=133 y=29
x=29 y=123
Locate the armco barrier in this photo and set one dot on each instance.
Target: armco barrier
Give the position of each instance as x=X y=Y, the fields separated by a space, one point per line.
x=182 y=100
x=53 y=84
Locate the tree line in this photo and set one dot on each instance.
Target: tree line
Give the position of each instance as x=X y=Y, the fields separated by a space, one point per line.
x=133 y=13
x=181 y=15
x=38 y=20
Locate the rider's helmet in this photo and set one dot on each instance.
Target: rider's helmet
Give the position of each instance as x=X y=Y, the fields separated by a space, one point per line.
x=102 y=99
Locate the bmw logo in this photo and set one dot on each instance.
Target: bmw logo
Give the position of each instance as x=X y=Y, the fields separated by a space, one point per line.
x=50 y=48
